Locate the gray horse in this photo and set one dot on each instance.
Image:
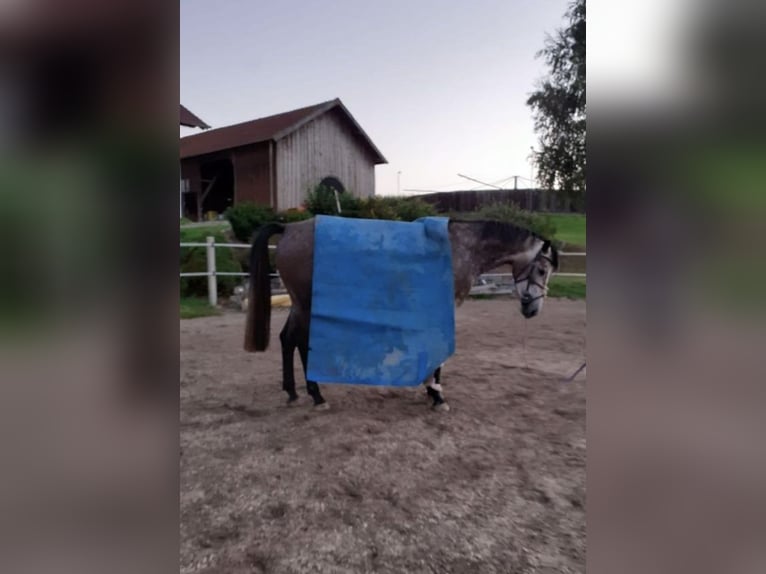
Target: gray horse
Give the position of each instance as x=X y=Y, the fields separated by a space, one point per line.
x=477 y=247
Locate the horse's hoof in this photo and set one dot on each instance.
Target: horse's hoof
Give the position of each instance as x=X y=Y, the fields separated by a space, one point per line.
x=322 y=407
x=441 y=408
x=292 y=401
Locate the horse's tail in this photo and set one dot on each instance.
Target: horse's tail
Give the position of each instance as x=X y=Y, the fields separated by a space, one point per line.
x=257 y=327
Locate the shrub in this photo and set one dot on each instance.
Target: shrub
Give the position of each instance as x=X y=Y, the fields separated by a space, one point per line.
x=246 y=217
x=410 y=208
x=321 y=201
x=293 y=215
x=194 y=259
x=378 y=208
x=540 y=223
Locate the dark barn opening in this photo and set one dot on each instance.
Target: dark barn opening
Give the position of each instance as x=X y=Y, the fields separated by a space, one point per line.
x=217 y=186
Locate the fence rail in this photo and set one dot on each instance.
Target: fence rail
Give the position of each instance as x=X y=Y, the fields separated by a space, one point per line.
x=211 y=273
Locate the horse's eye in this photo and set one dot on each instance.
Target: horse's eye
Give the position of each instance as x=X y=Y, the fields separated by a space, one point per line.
x=541 y=272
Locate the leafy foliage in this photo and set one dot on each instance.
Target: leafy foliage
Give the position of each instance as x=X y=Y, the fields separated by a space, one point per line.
x=321 y=201
x=409 y=209
x=558 y=107
x=246 y=217
x=294 y=215
x=540 y=223
x=194 y=259
x=395 y=208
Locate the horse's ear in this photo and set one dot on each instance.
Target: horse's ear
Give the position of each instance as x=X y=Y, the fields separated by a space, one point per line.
x=554 y=257
x=554 y=252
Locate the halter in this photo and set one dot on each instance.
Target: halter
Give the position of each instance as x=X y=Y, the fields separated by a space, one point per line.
x=526 y=275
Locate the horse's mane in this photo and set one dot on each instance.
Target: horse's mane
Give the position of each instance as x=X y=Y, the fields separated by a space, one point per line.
x=509 y=233
x=502 y=230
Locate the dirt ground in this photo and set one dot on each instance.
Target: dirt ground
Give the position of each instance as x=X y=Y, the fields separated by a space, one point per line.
x=380 y=483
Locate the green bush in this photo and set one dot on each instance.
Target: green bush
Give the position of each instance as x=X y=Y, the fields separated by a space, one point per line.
x=194 y=259
x=410 y=209
x=321 y=201
x=246 y=217
x=540 y=223
x=293 y=215
x=378 y=208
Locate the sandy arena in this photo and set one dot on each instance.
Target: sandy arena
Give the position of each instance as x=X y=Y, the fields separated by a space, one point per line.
x=380 y=483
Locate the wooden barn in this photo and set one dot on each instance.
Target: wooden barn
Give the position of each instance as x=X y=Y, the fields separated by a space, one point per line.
x=277 y=160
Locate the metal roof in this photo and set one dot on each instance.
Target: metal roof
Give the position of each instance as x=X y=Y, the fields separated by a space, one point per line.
x=267 y=128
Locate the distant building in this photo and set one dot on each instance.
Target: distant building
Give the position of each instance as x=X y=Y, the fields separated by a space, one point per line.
x=277 y=159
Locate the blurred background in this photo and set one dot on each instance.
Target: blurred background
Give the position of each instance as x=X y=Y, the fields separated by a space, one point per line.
x=88 y=298
x=88 y=341
x=676 y=176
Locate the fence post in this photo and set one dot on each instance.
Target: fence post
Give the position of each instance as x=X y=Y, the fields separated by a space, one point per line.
x=212 y=282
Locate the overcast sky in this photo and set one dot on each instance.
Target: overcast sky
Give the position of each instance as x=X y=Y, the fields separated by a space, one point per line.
x=439 y=85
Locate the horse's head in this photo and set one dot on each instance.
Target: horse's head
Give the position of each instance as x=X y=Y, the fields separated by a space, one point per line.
x=531 y=274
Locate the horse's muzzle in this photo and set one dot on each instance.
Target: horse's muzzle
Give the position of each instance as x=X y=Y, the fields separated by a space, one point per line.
x=529 y=312
x=529 y=306
x=526 y=299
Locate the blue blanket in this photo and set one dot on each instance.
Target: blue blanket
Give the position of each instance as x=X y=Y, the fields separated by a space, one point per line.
x=382 y=309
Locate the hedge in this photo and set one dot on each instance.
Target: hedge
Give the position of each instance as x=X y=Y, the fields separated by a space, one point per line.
x=245 y=218
x=540 y=223
x=194 y=259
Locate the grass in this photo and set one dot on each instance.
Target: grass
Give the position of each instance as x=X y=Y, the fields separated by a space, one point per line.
x=567 y=287
x=209 y=228
x=192 y=307
x=570 y=228
x=199 y=234
x=558 y=288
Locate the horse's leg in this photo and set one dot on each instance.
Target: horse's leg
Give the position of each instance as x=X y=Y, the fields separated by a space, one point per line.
x=434 y=390
x=311 y=386
x=287 y=338
x=431 y=392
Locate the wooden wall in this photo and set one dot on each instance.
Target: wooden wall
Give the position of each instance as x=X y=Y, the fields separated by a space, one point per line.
x=251 y=174
x=190 y=171
x=326 y=146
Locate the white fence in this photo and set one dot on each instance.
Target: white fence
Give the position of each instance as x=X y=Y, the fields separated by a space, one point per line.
x=486 y=286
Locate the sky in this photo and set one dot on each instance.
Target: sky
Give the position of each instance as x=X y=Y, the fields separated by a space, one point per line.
x=439 y=85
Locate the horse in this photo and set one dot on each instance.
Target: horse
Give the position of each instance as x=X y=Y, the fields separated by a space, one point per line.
x=477 y=247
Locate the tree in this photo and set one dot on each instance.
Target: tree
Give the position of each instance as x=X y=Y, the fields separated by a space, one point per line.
x=558 y=108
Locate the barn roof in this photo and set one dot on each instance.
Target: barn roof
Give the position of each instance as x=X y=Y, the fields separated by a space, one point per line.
x=268 y=128
x=188 y=119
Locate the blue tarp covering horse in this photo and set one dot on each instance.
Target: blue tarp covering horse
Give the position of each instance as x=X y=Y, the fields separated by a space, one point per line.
x=377 y=298
x=383 y=309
